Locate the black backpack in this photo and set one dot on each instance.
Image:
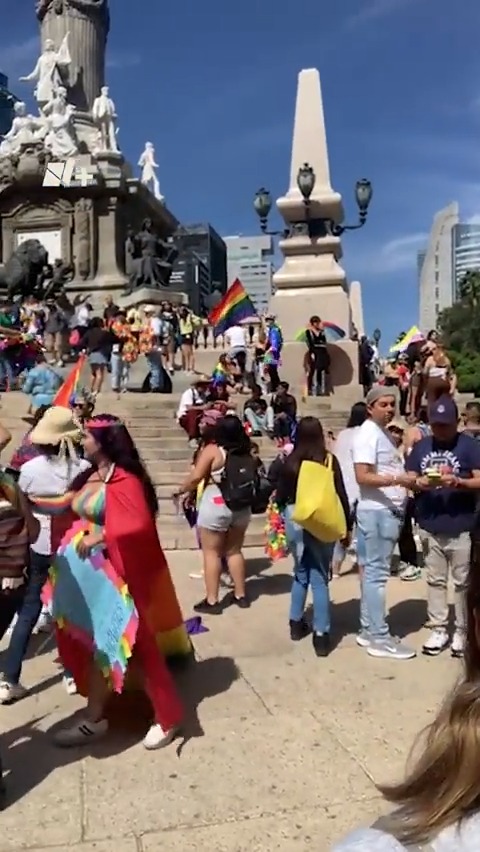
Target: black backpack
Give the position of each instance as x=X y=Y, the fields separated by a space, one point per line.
x=239 y=482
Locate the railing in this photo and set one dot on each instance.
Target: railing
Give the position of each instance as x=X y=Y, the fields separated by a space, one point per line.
x=205 y=338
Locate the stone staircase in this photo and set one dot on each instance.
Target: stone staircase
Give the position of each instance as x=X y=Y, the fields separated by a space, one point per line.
x=164 y=448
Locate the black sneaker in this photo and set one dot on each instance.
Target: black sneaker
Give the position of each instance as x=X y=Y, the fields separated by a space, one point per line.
x=242 y=602
x=298 y=630
x=207 y=608
x=321 y=644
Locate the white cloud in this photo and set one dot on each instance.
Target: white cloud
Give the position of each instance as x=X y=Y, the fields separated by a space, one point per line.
x=375 y=9
x=118 y=60
x=397 y=255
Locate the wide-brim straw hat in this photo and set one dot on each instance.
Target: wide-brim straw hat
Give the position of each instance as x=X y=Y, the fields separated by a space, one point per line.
x=57 y=426
x=201 y=379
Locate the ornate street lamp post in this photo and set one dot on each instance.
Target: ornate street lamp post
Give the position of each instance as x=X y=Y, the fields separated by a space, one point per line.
x=313 y=226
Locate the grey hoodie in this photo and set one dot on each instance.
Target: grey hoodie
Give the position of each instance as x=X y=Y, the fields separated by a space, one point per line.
x=453 y=839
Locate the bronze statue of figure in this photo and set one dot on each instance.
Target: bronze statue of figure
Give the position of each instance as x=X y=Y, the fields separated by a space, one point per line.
x=24 y=272
x=59 y=275
x=148 y=259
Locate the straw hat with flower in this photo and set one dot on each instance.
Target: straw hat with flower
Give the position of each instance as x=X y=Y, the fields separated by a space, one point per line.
x=57 y=427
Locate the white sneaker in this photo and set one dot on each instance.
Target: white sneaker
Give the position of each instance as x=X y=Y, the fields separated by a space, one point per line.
x=363 y=639
x=82 y=733
x=11 y=692
x=436 y=642
x=156 y=737
x=70 y=685
x=390 y=648
x=458 y=643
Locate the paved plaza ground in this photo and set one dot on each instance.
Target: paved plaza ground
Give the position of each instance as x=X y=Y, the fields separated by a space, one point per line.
x=282 y=748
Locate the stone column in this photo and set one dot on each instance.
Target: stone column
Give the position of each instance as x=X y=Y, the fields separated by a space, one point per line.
x=310 y=280
x=87 y=22
x=356 y=307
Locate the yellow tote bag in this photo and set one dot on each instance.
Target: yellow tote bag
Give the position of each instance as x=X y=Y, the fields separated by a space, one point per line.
x=317 y=506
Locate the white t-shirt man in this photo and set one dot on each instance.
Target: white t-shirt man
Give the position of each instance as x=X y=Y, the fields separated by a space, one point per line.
x=236 y=337
x=48 y=476
x=373 y=445
x=189 y=397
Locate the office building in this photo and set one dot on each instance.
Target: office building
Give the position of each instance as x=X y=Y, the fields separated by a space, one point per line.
x=453 y=250
x=436 y=268
x=191 y=276
x=466 y=252
x=250 y=260
x=7 y=101
x=202 y=248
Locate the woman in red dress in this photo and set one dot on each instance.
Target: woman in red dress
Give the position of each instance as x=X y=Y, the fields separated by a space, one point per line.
x=115 y=508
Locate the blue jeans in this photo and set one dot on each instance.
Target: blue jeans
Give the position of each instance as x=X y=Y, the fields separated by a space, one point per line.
x=120 y=372
x=7 y=375
x=338 y=557
x=27 y=617
x=154 y=361
x=380 y=529
x=311 y=565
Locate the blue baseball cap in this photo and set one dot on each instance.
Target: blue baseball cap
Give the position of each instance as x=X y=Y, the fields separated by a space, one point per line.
x=443 y=412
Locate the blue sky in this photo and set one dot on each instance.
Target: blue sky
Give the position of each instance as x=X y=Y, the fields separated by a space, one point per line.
x=213 y=86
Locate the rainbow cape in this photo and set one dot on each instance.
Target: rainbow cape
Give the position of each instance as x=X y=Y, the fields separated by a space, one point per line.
x=235 y=307
x=71 y=385
x=219 y=375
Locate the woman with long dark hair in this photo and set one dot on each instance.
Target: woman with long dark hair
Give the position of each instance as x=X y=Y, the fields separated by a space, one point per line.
x=311 y=557
x=114 y=542
x=221 y=527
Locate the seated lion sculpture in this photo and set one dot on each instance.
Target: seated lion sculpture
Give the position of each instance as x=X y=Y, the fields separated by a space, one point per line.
x=22 y=273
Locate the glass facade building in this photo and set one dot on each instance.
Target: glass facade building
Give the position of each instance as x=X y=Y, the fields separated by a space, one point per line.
x=201 y=242
x=250 y=260
x=466 y=252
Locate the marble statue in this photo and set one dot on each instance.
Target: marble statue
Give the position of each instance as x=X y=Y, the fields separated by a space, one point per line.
x=148 y=165
x=60 y=140
x=25 y=129
x=49 y=71
x=104 y=116
x=150 y=259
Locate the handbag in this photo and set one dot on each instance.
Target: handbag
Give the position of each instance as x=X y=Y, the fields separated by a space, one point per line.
x=317 y=505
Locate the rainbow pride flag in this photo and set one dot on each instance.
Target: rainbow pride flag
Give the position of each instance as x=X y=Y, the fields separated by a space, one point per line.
x=235 y=307
x=71 y=384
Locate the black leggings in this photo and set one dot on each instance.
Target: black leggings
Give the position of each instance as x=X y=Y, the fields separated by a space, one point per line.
x=272 y=371
x=316 y=371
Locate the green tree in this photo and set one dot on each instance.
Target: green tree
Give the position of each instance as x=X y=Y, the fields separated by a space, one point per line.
x=460 y=330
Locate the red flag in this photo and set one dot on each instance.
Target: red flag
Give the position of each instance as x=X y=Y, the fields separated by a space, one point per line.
x=71 y=384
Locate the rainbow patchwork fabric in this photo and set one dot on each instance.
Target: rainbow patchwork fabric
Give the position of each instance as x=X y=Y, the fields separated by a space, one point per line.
x=94 y=606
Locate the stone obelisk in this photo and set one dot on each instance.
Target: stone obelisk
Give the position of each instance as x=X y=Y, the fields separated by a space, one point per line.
x=310 y=280
x=87 y=22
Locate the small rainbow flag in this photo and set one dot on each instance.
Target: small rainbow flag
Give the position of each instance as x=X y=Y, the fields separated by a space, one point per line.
x=71 y=384
x=235 y=307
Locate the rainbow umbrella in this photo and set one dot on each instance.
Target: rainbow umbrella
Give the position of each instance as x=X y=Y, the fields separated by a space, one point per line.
x=333 y=333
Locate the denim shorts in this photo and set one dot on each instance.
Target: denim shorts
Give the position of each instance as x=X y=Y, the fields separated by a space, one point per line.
x=215 y=515
x=98 y=359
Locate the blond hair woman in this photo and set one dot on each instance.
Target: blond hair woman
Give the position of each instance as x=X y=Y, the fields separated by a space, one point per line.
x=438 y=802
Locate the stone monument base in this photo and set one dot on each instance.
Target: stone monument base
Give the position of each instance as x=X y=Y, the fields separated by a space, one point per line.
x=344 y=384
x=151 y=296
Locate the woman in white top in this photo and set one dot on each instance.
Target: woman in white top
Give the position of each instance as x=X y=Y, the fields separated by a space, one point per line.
x=342 y=448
